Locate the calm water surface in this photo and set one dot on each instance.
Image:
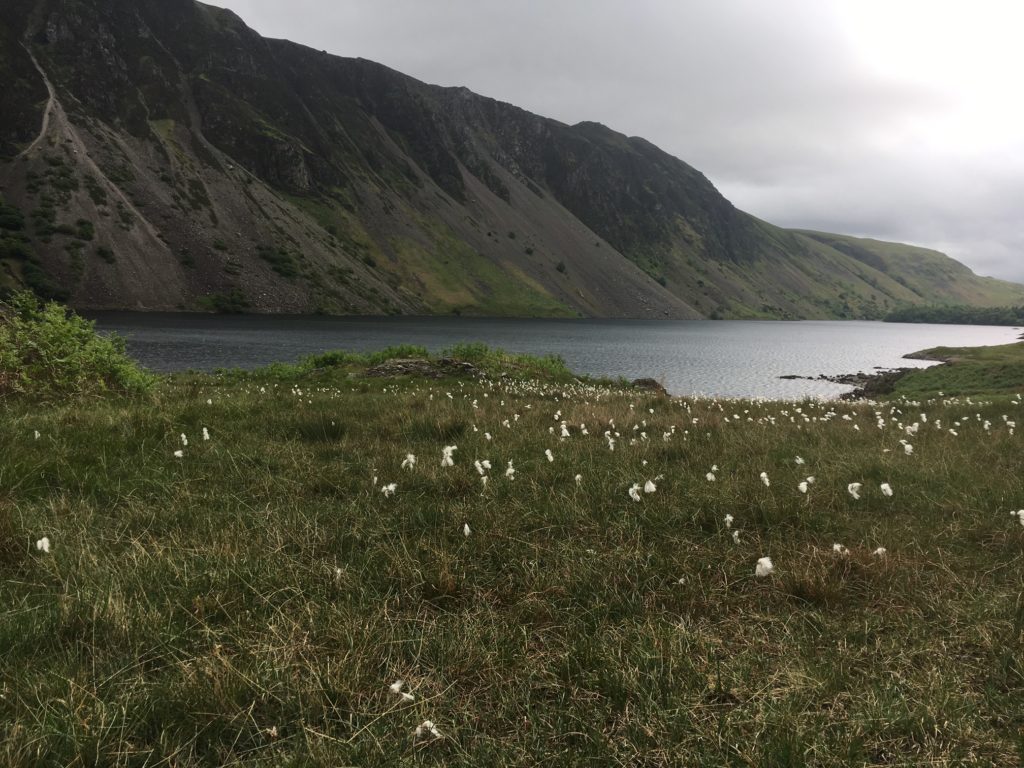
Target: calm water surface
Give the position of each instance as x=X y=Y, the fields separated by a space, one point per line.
x=718 y=358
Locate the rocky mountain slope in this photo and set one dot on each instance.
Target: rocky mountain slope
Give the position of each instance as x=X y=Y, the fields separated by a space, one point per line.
x=159 y=154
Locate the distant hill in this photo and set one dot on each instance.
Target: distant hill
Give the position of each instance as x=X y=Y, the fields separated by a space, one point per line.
x=159 y=154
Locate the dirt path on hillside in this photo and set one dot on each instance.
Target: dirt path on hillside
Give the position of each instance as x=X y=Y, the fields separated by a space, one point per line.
x=67 y=133
x=49 y=104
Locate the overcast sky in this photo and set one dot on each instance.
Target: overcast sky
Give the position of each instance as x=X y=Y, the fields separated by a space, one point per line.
x=895 y=119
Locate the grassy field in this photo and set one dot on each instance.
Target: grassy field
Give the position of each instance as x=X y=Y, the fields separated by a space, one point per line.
x=969 y=371
x=252 y=599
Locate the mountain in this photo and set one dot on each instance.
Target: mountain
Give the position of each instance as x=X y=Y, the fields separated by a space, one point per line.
x=159 y=154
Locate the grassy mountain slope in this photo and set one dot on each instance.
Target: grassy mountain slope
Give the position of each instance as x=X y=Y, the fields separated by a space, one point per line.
x=923 y=271
x=166 y=156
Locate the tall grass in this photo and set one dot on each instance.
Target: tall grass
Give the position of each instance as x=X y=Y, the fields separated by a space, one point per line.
x=252 y=601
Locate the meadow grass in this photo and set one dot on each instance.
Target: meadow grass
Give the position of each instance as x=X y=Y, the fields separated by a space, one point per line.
x=967 y=371
x=252 y=601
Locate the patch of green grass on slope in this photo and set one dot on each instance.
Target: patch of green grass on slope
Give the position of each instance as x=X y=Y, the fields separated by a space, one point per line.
x=967 y=371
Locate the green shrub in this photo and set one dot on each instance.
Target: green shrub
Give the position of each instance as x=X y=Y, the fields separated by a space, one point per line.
x=231 y=303
x=279 y=259
x=497 y=361
x=337 y=358
x=84 y=229
x=40 y=281
x=96 y=191
x=47 y=351
x=11 y=218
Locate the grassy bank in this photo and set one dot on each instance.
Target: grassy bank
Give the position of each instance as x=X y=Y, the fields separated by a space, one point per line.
x=967 y=371
x=252 y=600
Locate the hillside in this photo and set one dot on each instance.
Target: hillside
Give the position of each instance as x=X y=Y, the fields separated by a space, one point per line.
x=162 y=155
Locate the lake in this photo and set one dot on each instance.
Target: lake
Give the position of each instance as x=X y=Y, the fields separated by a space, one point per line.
x=721 y=358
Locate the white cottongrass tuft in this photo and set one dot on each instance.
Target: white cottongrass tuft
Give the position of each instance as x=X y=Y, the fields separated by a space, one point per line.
x=184 y=440
x=548 y=453
x=409 y=461
x=396 y=688
x=510 y=472
x=446 y=455
x=179 y=454
x=802 y=486
x=43 y=545
x=37 y=435
x=389 y=489
x=728 y=520
x=839 y=549
x=710 y=477
x=854 y=489
x=735 y=537
x=650 y=487
x=764 y=568
x=880 y=552
x=765 y=480
x=427 y=728
x=799 y=460
x=466 y=530
x=579 y=480
x=634 y=492
x=1019 y=514
x=886 y=489
x=206 y=434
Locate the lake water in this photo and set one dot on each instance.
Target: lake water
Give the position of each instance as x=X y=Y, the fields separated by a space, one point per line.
x=720 y=358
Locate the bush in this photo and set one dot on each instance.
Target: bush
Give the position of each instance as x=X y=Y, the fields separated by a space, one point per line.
x=233 y=302
x=498 y=361
x=47 y=351
x=337 y=358
x=280 y=261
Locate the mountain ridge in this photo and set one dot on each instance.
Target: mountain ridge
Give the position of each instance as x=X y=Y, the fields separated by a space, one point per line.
x=191 y=164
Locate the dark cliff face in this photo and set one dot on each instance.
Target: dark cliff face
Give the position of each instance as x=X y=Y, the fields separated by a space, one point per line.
x=303 y=121
x=215 y=168
x=23 y=90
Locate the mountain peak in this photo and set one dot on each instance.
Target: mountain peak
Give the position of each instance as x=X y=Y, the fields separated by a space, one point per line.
x=163 y=155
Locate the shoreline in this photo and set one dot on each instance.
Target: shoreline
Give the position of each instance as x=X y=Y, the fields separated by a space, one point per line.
x=886 y=380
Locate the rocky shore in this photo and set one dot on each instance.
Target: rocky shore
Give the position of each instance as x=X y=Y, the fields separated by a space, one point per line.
x=867 y=385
